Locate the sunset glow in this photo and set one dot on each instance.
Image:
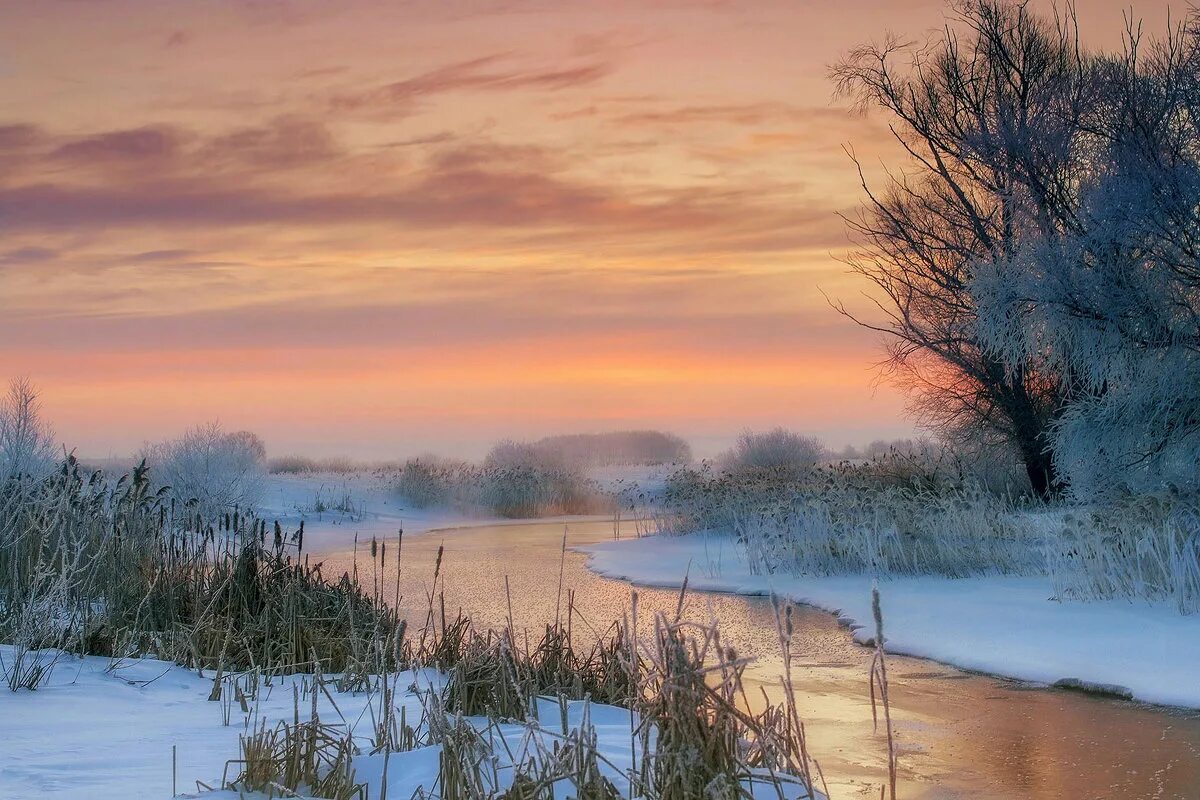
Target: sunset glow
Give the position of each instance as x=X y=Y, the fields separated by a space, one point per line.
x=381 y=228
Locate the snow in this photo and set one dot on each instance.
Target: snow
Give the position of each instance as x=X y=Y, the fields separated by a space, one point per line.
x=376 y=510
x=1005 y=626
x=102 y=733
x=107 y=734
x=105 y=730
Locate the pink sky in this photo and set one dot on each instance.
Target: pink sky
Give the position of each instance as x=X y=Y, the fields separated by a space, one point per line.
x=381 y=228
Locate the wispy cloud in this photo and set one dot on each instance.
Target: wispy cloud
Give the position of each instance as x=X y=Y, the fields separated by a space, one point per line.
x=490 y=73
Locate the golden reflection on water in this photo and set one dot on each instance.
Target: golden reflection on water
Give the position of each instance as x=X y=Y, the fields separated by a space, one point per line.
x=959 y=735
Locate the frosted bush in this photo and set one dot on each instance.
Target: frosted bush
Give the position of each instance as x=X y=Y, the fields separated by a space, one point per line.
x=210 y=469
x=26 y=442
x=778 y=449
x=521 y=480
x=429 y=481
x=515 y=480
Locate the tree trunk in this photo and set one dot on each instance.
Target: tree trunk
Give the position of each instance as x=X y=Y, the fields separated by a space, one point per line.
x=1039 y=465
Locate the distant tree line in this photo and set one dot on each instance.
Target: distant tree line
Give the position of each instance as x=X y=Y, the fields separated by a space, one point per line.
x=618 y=448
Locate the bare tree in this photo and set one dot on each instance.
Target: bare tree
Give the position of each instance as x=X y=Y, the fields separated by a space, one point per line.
x=26 y=441
x=992 y=114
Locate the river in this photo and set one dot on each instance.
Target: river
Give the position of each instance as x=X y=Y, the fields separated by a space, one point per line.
x=960 y=735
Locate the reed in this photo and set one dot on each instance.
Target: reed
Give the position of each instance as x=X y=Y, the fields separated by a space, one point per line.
x=116 y=569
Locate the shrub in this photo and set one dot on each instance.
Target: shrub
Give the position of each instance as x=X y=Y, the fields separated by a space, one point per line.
x=516 y=480
x=778 y=449
x=210 y=469
x=291 y=465
x=522 y=480
x=429 y=481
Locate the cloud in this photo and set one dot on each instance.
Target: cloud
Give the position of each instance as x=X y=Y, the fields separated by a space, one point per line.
x=19 y=137
x=483 y=74
x=527 y=197
x=26 y=255
x=445 y=310
x=136 y=145
x=732 y=113
x=285 y=142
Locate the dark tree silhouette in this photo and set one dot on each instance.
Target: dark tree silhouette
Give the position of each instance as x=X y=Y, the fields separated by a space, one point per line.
x=993 y=116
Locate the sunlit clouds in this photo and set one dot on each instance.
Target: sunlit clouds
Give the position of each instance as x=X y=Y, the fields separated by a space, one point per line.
x=372 y=227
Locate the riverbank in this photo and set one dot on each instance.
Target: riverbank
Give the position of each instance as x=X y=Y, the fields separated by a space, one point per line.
x=998 y=625
x=137 y=729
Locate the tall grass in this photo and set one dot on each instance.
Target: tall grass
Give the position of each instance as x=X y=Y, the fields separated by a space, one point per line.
x=121 y=570
x=118 y=570
x=895 y=516
x=839 y=520
x=1143 y=546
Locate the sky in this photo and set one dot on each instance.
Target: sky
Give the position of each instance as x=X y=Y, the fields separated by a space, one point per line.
x=382 y=228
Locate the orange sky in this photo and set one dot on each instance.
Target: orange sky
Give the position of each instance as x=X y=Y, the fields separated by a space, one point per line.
x=381 y=228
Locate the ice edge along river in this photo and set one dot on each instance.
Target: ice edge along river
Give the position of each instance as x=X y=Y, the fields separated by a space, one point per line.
x=1006 y=626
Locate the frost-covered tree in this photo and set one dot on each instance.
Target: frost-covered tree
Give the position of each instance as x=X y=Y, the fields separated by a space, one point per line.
x=990 y=114
x=1116 y=304
x=214 y=470
x=26 y=440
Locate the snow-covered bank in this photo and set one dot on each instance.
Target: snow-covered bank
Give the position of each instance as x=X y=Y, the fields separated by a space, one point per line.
x=1000 y=625
x=107 y=730
x=107 y=734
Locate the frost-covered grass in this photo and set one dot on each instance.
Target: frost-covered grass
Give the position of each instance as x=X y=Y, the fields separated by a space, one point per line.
x=146 y=728
x=116 y=607
x=840 y=520
x=1143 y=546
x=1000 y=624
x=874 y=520
x=117 y=569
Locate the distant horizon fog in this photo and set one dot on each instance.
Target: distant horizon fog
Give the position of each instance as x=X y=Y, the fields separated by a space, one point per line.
x=704 y=446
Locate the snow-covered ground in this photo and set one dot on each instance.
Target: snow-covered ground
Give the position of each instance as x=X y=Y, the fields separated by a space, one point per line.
x=106 y=733
x=110 y=731
x=1000 y=625
x=337 y=506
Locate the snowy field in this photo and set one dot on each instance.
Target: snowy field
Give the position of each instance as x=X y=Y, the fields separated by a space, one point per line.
x=999 y=625
x=105 y=731
x=337 y=506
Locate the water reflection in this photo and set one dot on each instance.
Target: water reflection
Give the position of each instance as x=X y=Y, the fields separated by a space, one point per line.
x=960 y=735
